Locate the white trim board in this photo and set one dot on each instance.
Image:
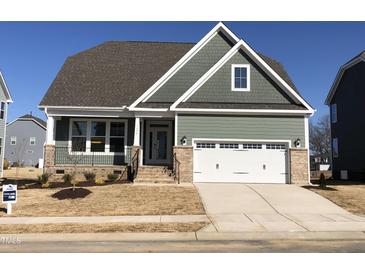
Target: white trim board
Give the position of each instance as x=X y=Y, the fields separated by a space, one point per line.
x=246 y=111
x=7 y=92
x=338 y=78
x=190 y=54
x=257 y=59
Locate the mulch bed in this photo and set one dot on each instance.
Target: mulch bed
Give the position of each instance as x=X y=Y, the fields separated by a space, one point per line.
x=322 y=188
x=69 y=193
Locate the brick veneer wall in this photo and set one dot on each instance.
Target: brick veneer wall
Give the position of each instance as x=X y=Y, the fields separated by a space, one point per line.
x=100 y=172
x=184 y=154
x=299 y=166
x=49 y=156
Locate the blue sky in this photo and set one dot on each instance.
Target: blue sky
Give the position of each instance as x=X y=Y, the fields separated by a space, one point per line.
x=31 y=53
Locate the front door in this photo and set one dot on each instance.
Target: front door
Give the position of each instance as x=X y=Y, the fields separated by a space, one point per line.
x=158 y=142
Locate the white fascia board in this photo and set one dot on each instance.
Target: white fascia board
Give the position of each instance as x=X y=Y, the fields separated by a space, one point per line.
x=82 y=108
x=149 y=109
x=246 y=111
x=255 y=57
x=190 y=54
x=339 y=75
x=7 y=93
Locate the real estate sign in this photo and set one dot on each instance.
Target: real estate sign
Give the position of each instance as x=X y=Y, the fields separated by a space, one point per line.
x=9 y=196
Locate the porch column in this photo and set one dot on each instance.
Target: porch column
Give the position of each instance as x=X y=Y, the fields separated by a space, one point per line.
x=49 y=147
x=136 y=141
x=50 y=131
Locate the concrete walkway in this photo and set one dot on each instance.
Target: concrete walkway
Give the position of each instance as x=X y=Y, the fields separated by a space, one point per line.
x=106 y=219
x=272 y=208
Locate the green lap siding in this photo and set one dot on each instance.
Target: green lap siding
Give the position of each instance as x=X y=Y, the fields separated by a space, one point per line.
x=240 y=127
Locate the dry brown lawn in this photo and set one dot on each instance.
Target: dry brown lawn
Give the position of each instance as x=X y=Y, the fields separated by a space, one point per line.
x=111 y=200
x=22 y=172
x=350 y=197
x=100 y=228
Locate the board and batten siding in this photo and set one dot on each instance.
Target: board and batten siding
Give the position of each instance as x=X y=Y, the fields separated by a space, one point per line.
x=62 y=139
x=240 y=127
x=203 y=60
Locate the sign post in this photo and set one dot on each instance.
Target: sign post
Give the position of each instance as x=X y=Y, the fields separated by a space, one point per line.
x=9 y=196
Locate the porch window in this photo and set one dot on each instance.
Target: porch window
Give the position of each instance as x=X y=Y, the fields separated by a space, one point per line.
x=98 y=135
x=117 y=130
x=79 y=134
x=98 y=130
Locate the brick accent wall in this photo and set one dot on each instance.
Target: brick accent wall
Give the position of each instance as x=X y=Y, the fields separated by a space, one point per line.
x=100 y=171
x=184 y=154
x=299 y=166
x=49 y=156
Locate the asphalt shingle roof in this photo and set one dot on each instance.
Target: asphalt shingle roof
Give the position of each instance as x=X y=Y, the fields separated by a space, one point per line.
x=115 y=74
x=31 y=117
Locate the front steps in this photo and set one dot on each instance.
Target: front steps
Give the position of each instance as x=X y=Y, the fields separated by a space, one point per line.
x=154 y=175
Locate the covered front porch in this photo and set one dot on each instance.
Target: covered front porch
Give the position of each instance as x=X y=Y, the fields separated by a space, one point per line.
x=122 y=145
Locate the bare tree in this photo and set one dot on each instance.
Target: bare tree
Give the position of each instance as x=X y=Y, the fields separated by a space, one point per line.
x=320 y=137
x=75 y=156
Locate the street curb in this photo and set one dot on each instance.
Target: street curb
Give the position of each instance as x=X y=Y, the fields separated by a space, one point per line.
x=185 y=236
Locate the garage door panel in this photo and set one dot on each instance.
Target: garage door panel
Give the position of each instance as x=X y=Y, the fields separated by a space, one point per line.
x=248 y=163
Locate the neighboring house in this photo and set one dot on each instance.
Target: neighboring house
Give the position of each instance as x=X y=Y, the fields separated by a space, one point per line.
x=346 y=101
x=5 y=99
x=215 y=111
x=318 y=162
x=25 y=138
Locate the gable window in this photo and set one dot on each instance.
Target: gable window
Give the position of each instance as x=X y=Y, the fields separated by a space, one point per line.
x=2 y=110
x=79 y=134
x=240 y=77
x=335 y=148
x=333 y=113
x=32 y=141
x=13 y=140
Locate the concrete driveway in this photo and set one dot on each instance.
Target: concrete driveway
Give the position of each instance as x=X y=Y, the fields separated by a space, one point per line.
x=272 y=207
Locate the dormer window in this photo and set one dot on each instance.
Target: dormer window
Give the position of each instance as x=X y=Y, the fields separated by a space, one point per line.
x=240 y=77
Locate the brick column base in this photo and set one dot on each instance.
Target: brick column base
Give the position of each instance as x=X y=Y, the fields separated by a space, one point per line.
x=184 y=154
x=299 y=166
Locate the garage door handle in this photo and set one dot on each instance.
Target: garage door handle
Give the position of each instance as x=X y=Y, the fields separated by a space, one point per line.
x=198 y=172
x=238 y=172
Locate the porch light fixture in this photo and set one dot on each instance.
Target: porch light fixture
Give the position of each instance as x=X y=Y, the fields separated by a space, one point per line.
x=183 y=141
x=297 y=142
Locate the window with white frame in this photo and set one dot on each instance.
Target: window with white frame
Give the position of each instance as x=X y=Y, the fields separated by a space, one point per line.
x=32 y=141
x=335 y=147
x=79 y=135
x=91 y=135
x=241 y=77
x=13 y=140
x=98 y=136
x=117 y=138
x=333 y=113
x=2 y=110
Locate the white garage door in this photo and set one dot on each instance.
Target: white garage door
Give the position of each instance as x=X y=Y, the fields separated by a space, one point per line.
x=243 y=162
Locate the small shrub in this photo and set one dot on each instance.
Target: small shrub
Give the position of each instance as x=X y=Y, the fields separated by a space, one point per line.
x=43 y=179
x=15 y=164
x=68 y=178
x=89 y=177
x=6 y=164
x=322 y=180
x=99 y=181
x=112 y=177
